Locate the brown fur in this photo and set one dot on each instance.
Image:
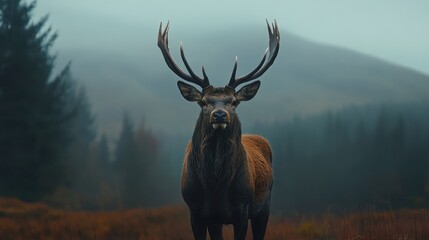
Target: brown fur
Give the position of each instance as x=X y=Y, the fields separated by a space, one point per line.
x=258 y=152
x=185 y=163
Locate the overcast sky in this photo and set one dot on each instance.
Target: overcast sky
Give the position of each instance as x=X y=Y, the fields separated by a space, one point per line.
x=395 y=30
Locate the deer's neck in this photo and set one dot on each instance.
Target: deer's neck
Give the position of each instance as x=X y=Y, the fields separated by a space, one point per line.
x=217 y=154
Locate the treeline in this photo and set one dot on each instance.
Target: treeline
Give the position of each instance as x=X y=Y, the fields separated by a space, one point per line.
x=354 y=158
x=127 y=174
x=49 y=148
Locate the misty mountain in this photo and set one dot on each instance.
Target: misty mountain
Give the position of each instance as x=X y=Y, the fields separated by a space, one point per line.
x=307 y=78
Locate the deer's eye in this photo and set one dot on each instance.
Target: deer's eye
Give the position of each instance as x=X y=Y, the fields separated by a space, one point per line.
x=234 y=103
x=202 y=103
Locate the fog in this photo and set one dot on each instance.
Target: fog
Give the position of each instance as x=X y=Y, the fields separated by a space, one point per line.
x=395 y=31
x=346 y=97
x=119 y=38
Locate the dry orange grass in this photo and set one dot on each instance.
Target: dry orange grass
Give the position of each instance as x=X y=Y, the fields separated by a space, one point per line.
x=20 y=220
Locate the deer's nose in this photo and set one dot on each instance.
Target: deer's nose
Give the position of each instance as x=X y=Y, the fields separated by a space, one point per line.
x=219 y=116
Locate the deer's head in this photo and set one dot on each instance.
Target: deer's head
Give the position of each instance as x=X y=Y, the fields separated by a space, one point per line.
x=218 y=104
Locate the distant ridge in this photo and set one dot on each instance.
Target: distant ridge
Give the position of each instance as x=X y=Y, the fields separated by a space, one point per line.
x=306 y=78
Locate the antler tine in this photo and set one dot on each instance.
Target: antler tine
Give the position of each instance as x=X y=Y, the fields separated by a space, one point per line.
x=163 y=45
x=182 y=54
x=233 y=82
x=205 y=75
x=267 y=59
x=234 y=71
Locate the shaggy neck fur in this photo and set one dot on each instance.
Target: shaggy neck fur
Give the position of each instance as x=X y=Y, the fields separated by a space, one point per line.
x=217 y=155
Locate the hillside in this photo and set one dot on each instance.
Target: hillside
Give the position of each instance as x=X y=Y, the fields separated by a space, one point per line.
x=306 y=78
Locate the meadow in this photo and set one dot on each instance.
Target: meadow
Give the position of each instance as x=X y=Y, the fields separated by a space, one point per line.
x=19 y=220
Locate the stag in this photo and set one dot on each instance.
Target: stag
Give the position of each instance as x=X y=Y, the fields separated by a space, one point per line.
x=226 y=176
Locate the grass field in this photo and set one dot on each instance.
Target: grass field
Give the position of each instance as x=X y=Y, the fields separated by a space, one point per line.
x=20 y=220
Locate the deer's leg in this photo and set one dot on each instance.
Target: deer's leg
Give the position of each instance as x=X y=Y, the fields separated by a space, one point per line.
x=199 y=227
x=259 y=223
x=215 y=231
x=240 y=225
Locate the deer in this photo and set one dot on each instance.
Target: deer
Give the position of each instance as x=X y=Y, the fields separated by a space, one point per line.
x=227 y=176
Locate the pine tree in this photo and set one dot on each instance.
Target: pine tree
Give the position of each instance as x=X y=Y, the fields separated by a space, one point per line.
x=104 y=151
x=136 y=165
x=149 y=169
x=125 y=163
x=108 y=192
x=80 y=130
x=32 y=113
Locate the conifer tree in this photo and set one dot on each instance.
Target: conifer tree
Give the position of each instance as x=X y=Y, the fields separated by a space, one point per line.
x=125 y=163
x=32 y=112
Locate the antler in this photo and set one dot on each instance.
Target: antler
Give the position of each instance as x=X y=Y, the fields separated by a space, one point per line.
x=271 y=52
x=163 y=45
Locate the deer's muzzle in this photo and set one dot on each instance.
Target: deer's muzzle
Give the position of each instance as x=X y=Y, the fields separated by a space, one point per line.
x=219 y=119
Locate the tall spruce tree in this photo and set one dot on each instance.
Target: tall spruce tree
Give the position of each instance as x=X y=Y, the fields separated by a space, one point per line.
x=32 y=112
x=137 y=167
x=78 y=156
x=80 y=131
x=126 y=164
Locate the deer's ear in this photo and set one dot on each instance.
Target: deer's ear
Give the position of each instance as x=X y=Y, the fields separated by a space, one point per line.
x=189 y=92
x=248 y=92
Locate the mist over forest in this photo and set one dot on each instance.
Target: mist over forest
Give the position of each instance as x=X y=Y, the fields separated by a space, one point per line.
x=109 y=130
x=307 y=78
